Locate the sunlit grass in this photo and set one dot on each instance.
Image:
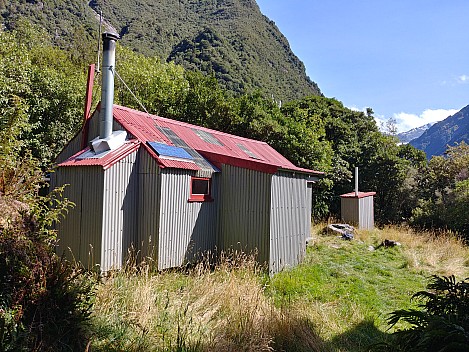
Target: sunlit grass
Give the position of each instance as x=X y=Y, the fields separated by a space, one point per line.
x=338 y=299
x=348 y=288
x=201 y=309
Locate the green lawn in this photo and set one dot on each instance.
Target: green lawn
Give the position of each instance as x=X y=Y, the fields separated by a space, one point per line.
x=348 y=290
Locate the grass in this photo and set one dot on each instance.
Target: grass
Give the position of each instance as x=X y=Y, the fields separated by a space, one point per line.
x=199 y=310
x=338 y=299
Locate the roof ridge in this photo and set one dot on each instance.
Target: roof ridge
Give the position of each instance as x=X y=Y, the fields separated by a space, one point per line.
x=183 y=123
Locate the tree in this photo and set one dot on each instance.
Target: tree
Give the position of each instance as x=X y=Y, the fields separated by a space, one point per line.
x=444 y=197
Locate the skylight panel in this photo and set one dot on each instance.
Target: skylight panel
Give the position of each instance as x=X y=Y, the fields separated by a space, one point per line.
x=247 y=151
x=207 y=137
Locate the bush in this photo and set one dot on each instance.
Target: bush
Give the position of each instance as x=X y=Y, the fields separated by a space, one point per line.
x=442 y=323
x=44 y=300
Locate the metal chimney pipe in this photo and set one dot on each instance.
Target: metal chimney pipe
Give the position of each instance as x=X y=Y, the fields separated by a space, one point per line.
x=107 y=89
x=356 y=181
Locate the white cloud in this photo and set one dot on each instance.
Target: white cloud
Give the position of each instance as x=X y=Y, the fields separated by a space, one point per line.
x=407 y=121
x=354 y=108
x=463 y=79
x=380 y=119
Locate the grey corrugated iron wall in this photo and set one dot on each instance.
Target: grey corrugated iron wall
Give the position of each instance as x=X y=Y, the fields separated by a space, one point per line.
x=75 y=145
x=149 y=205
x=358 y=211
x=82 y=227
x=186 y=228
x=349 y=210
x=366 y=220
x=120 y=213
x=93 y=127
x=245 y=211
x=290 y=220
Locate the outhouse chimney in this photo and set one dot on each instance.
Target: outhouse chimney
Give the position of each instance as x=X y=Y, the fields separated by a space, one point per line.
x=356 y=181
x=107 y=89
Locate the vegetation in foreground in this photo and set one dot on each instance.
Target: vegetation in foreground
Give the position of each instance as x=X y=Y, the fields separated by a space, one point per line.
x=339 y=299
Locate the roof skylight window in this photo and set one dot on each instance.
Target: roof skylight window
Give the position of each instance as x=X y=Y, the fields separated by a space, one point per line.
x=247 y=151
x=207 y=137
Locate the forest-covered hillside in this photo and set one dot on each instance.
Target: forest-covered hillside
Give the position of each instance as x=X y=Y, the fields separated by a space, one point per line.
x=230 y=39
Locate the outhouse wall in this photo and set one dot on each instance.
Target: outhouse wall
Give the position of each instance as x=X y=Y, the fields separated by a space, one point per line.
x=358 y=211
x=245 y=211
x=290 y=219
x=366 y=219
x=349 y=210
x=186 y=229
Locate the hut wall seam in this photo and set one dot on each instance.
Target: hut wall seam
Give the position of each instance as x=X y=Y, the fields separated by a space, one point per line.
x=149 y=205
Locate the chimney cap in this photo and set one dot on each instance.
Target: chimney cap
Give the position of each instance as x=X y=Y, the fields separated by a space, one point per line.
x=110 y=35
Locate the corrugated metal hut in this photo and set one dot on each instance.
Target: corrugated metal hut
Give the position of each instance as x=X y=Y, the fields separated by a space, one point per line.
x=174 y=191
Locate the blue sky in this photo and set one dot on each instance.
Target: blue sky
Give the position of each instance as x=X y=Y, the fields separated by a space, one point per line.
x=406 y=59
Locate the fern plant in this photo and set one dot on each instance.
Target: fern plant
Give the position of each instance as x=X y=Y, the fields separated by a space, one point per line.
x=441 y=323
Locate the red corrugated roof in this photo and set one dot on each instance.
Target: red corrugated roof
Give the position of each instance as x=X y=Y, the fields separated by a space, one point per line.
x=143 y=127
x=359 y=195
x=106 y=161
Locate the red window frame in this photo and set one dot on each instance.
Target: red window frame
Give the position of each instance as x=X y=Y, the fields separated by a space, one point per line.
x=201 y=197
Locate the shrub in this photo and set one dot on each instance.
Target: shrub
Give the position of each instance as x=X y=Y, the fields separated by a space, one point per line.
x=442 y=323
x=44 y=300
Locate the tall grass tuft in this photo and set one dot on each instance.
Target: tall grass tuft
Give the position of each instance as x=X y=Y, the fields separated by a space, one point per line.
x=199 y=309
x=441 y=253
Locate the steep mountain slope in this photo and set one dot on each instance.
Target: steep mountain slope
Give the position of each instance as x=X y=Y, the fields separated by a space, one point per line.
x=229 y=38
x=454 y=129
x=407 y=136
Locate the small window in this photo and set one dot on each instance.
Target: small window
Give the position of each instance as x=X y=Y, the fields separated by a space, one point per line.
x=200 y=190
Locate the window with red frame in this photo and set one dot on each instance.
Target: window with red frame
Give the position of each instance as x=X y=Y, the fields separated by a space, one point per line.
x=200 y=190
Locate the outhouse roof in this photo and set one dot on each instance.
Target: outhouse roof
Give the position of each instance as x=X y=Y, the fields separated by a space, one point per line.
x=358 y=195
